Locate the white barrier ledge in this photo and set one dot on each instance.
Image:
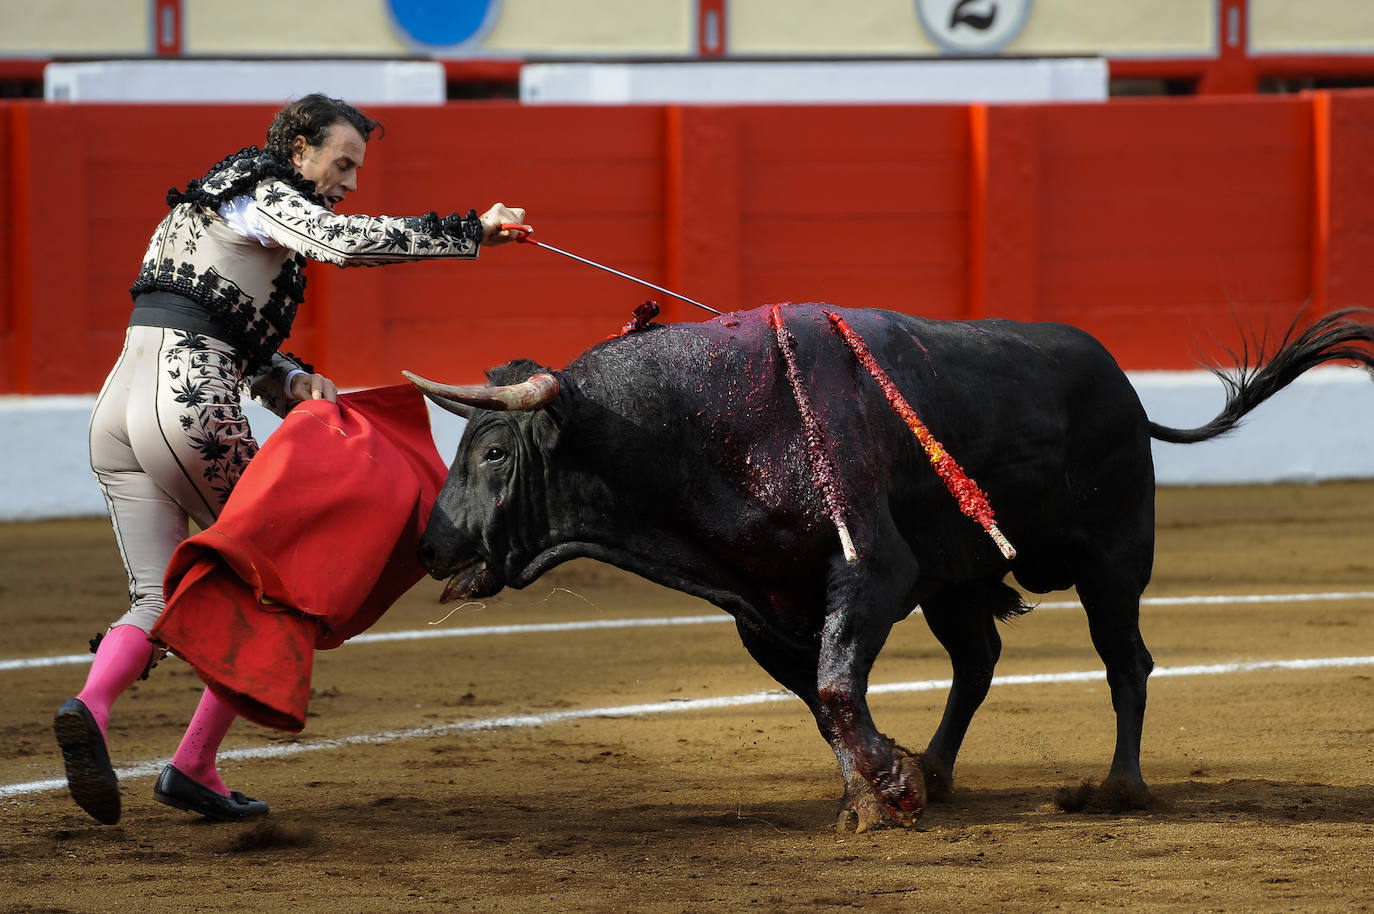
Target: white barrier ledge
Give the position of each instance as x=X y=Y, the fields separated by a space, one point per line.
x=274 y=82
x=1319 y=428
x=738 y=82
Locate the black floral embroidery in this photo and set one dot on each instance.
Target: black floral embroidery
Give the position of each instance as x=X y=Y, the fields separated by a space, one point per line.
x=239 y=174
x=210 y=450
x=256 y=321
x=206 y=386
x=189 y=392
x=377 y=240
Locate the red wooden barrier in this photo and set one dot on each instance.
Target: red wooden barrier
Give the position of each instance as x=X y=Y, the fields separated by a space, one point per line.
x=1158 y=220
x=10 y=175
x=1154 y=224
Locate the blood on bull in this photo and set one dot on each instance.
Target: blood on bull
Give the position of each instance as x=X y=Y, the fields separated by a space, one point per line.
x=678 y=452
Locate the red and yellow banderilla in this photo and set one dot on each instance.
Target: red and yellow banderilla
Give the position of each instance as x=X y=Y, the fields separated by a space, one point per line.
x=971 y=499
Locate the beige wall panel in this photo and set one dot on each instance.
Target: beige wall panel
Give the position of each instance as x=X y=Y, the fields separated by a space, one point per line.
x=668 y=27
x=809 y=27
x=1154 y=28
x=1171 y=27
x=280 y=27
x=631 y=27
x=365 y=27
x=1312 y=26
x=44 y=27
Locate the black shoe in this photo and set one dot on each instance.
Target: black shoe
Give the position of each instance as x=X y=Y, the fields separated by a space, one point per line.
x=90 y=777
x=176 y=789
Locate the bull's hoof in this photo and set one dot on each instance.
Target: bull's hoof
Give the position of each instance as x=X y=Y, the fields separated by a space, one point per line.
x=1120 y=794
x=910 y=800
x=938 y=776
x=860 y=810
x=1115 y=795
x=863 y=810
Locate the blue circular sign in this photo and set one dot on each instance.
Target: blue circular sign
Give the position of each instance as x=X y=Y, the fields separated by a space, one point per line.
x=443 y=23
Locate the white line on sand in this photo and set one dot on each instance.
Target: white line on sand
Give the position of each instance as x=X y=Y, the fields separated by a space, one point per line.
x=26 y=663
x=148 y=769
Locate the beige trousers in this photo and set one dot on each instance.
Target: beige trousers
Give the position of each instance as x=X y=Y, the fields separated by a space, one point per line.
x=168 y=441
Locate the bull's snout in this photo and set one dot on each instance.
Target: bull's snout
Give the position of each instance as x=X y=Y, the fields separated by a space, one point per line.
x=468 y=575
x=429 y=557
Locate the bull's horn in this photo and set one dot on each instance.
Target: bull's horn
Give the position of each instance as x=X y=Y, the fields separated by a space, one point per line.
x=538 y=391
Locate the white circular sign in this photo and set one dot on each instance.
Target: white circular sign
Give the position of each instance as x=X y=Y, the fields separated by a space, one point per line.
x=972 y=26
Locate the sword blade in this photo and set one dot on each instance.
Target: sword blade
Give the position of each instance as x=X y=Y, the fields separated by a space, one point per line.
x=602 y=266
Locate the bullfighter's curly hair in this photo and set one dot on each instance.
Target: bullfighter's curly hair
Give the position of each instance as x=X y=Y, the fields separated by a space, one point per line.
x=311 y=117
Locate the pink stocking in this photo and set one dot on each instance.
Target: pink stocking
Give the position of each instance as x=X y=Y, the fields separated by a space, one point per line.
x=195 y=757
x=121 y=658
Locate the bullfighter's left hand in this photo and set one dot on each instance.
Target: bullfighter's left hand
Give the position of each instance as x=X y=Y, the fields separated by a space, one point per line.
x=313 y=387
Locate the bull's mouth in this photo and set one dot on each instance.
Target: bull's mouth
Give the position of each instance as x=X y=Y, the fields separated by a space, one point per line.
x=472 y=580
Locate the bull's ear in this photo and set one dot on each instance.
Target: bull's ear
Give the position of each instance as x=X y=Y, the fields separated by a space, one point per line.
x=546 y=425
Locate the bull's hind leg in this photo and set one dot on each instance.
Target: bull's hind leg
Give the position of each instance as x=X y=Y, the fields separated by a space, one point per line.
x=1113 y=609
x=1109 y=552
x=963 y=620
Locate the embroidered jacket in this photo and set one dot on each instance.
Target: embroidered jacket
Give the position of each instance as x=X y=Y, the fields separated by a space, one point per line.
x=253 y=290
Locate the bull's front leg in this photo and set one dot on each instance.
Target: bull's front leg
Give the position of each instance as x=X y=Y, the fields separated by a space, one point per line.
x=884 y=784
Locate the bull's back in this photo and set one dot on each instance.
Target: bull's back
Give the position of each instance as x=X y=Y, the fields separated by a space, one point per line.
x=1021 y=406
x=992 y=381
x=975 y=384
x=1039 y=415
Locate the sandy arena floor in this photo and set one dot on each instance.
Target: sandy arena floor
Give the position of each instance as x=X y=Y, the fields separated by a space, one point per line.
x=399 y=798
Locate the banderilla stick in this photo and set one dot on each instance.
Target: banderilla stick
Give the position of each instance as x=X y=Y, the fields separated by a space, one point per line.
x=815 y=440
x=971 y=499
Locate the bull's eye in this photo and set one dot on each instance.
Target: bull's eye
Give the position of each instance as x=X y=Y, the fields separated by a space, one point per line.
x=494 y=454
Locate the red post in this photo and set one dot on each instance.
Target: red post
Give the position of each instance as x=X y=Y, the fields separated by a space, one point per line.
x=19 y=370
x=711 y=28
x=1003 y=255
x=167 y=28
x=1343 y=200
x=702 y=236
x=1233 y=72
x=1321 y=200
x=51 y=250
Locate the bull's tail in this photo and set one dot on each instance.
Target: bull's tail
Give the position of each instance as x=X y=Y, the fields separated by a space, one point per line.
x=1346 y=335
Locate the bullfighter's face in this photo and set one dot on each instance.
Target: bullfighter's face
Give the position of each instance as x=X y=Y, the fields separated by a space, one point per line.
x=333 y=165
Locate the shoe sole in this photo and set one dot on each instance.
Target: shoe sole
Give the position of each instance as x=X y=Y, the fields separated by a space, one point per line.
x=90 y=778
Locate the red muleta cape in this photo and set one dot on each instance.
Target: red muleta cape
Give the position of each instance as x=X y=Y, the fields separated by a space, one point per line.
x=318 y=539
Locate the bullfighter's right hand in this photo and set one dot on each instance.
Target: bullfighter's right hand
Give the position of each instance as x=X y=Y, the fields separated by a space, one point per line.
x=497 y=216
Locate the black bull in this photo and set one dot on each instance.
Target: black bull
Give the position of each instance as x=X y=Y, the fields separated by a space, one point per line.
x=678 y=453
